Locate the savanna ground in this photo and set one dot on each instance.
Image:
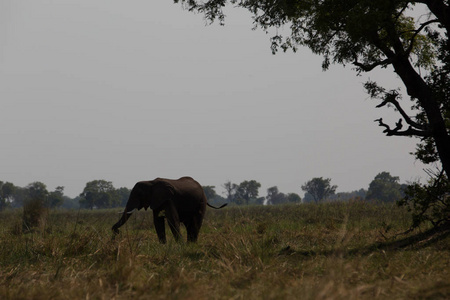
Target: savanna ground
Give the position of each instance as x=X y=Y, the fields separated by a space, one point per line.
x=327 y=251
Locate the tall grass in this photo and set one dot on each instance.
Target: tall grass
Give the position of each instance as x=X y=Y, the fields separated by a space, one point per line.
x=326 y=251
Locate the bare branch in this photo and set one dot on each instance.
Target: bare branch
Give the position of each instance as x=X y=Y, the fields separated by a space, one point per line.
x=390 y=99
x=370 y=67
x=396 y=131
x=401 y=11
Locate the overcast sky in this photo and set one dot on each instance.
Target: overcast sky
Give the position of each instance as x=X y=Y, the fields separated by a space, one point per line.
x=138 y=89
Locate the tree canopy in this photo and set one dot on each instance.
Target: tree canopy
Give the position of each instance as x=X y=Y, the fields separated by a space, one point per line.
x=319 y=188
x=100 y=194
x=385 y=187
x=6 y=193
x=275 y=197
x=248 y=190
x=56 y=198
x=209 y=191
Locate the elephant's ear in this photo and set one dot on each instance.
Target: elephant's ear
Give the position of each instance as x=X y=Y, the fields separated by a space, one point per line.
x=140 y=196
x=161 y=192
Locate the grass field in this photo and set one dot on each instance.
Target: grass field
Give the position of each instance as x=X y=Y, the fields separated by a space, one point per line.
x=327 y=251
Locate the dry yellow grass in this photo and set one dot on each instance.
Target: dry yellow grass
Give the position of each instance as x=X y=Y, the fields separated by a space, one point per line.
x=328 y=251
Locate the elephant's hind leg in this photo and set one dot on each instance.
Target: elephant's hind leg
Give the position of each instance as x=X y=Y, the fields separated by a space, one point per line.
x=193 y=228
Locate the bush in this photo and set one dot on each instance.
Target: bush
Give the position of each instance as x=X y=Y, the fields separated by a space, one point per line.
x=34 y=215
x=429 y=202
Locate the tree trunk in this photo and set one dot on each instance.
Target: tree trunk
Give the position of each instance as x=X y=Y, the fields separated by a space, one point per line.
x=417 y=88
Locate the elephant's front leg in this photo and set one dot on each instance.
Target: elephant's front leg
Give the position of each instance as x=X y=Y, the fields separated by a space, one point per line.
x=159 y=226
x=174 y=222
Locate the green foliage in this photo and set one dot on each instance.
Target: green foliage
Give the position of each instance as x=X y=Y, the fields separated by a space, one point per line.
x=209 y=192
x=429 y=202
x=37 y=190
x=349 y=196
x=212 y=196
x=69 y=203
x=244 y=193
x=123 y=194
x=6 y=193
x=19 y=196
x=248 y=190
x=319 y=188
x=342 y=31
x=274 y=197
x=385 y=188
x=99 y=194
x=34 y=215
x=34 y=211
x=293 y=198
x=56 y=198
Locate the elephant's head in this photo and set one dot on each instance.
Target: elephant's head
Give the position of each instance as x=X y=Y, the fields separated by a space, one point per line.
x=146 y=194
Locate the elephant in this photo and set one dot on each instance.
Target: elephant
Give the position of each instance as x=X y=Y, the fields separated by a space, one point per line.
x=182 y=200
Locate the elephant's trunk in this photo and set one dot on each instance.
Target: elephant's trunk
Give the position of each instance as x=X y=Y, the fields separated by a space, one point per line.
x=128 y=212
x=123 y=220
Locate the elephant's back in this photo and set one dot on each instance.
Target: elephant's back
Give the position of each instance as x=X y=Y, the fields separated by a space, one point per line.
x=189 y=191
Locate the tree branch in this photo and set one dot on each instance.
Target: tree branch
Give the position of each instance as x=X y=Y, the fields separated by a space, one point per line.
x=390 y=99
x=370 y=67
x=416 y=32
x=396 y=131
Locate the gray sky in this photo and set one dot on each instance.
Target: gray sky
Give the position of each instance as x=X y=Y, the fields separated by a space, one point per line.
x=132 y=90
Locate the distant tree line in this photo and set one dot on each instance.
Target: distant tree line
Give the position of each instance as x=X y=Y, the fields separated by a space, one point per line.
x=96 y=194
x=99 y=194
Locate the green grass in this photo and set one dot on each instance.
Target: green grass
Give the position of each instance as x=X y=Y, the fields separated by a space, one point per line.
x=327 y=251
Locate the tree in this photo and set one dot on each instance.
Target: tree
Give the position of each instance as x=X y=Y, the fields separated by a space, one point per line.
x=213 y=197
x=19 y=196
x=247 y=190
x=319 y=188
x=293 y=198
x=34 y=212
x=209 y=191
x=429 y=202
x=70 y=203
x=353 y=195
x=56 y=198
x=100 y=194
x=385 y=188
x=6 y=194
x=37 y=190
x=123 y=194
x=242 y=193
x=230 y=190
x=275 y=197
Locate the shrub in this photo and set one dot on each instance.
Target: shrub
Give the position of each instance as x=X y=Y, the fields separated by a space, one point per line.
x=34 y=215
x=429 y=202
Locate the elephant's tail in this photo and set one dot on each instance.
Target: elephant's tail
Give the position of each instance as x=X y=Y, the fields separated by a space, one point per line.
x=222 y=206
